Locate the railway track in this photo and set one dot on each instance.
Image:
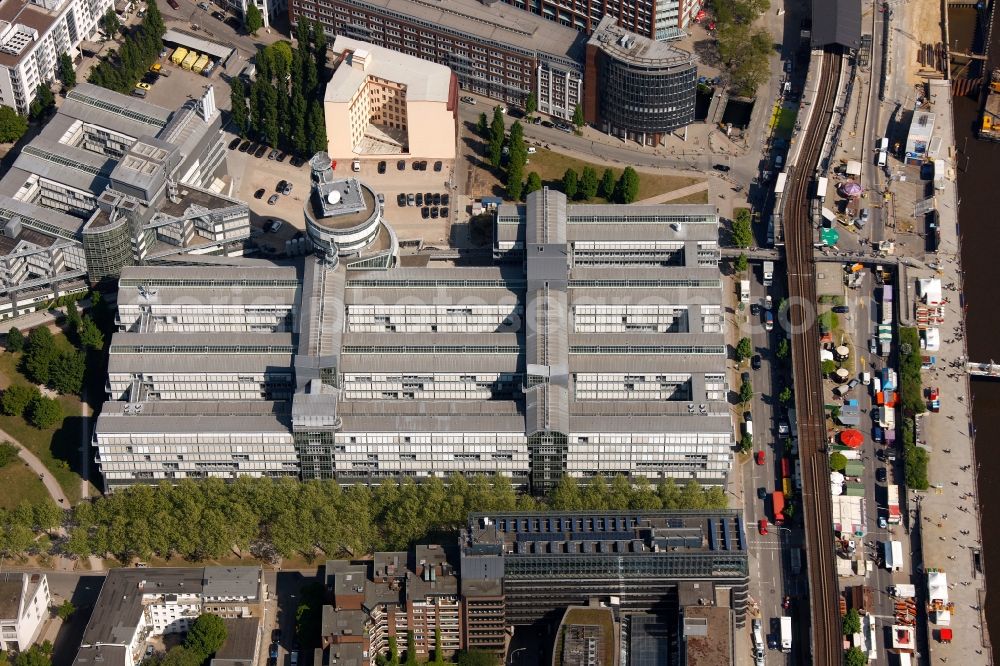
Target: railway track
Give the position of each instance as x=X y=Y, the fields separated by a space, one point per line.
x=817 y=513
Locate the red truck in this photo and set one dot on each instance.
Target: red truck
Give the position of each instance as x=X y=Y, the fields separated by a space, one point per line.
x=778 y=506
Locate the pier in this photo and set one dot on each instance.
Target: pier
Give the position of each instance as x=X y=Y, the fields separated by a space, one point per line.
x=990 y=369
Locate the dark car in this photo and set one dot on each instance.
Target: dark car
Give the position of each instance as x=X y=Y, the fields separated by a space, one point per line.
x=296 y=161
x=437 y=165
x=381 y=166
x=273 y=652
x=425 y=212
x=841 y=309
x=259 y=194
x=287 y=189
x=547 y=123
x=429 y=198
x=445 y=199
x=755 y=362
x=761 y=492
x=173 y=3
x=416 y=165
x=281 y=157
x=881 y=475
x=234 y=144
x=437 y=199
x=401 y=200
x=721 y=167
x=149 y=78
x=260 y=151
x=218 y=16
x=755 y=309
x=745 y=377
x=244 y=146
x=401 y=165
x=281 y=185
x=233 y=23
x=444 y=211
x=420 y=198
x=434 y=212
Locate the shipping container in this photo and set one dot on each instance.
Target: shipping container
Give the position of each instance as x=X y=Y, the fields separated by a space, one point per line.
x=189 y=60
x=786 y=468
x=786 y=485
x=178 y=56
x=199 y=64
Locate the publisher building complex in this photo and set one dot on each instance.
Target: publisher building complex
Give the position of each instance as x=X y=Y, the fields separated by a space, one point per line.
x=659 y=579
x=592 y=345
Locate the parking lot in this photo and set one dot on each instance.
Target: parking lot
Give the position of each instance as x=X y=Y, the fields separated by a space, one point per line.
x=179 y=85
x=251 y=174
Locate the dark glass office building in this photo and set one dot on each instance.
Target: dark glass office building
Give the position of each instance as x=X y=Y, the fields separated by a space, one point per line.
x=647 y=88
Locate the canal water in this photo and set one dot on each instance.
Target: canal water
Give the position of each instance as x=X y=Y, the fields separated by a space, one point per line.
x=978 y=166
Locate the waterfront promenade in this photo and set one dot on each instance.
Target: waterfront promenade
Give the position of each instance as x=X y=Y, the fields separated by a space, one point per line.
x=945 y=520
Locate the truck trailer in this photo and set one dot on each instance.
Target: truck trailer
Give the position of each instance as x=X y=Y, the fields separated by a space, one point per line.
x=895 y=516
x=189 y=60
x=892 y=554
x=778 y=506
x=768 y=273
x=178 y=56
x=786 y=633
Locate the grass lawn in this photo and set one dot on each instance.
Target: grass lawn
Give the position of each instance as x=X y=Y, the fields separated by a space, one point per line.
x=59 y=447
x=695 y=198
x=19 y=483
x=551 y=166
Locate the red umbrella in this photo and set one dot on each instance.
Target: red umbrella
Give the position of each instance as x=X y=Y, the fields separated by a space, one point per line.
x=852 y=438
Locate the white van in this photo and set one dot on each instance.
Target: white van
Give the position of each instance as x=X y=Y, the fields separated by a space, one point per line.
x=876 y=386
x=866 y=378
x=883 y=157
x=356 y=165
x=883 y=144
x=748 y=427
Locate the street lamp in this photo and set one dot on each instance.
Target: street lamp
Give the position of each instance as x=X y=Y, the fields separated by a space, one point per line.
x=511 y=660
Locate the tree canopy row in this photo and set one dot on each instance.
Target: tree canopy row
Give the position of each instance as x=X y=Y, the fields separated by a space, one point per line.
x=266 y=518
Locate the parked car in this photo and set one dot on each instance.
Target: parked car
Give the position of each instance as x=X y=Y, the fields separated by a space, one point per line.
x=273 y=154
x=882 y=522
x=273 y=226
x=721 y=167
x=444 y=211
x=425 y=212
x=173 y=3
x=852 y=384
x=281 y=185
x=872 y=346
x=745 y=377
x=468 y=100
x=218 y=16
x=755 y=362
x=768 y=321
x=437 y=199
x=333 y=165
x=841 y=309
x=260 y=151
x=762 y=525
x=877 y=433
x=296 y=161
x=881 y=475
x=281 y=157
x=401 y=165
x=420 y=198
x=273 y=199
x=401 y=200
x=532 y=150
x=410 y=200
x=149 y=651
x=755 y=309
x=356 y=166
x=768 y=302
x=760 y=457
x=761 y=492
x=143 y=86
x=234 y=144
x=438 y=165
x=866 y=378
x=244 y=146
x=287 y=189
x=259 y=194
x=445 y=199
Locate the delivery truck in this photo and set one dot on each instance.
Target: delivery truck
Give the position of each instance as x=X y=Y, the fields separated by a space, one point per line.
x=895 y=516
x=892 y=555
x=778 y=506
x=786 y=633
x=768 y=273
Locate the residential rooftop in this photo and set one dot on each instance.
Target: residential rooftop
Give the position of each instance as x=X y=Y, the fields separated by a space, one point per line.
x=424 y=81
x=634 y=49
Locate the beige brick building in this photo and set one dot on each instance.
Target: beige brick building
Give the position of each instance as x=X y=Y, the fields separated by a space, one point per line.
x=383 y=103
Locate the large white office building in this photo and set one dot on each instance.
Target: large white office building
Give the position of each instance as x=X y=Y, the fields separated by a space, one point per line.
x=112 y=181
x=593 y=345
x=33 y=34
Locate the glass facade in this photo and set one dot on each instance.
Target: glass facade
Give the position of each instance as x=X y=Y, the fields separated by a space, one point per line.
x=646 y=100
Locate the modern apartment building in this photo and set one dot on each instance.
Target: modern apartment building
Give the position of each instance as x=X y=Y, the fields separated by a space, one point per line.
x=24 y=608
x=594 y=345
x=112 y=181
x=656 y=573
x=656 y=19
x=382 y=102
x=637 y=88
x=33 y=34
x=493 y=49
x=136 y=606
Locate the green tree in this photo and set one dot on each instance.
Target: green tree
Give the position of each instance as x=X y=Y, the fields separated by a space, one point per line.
x=534 y=183
x=15 y=339
x=43 y=103
x=90 y=334
x=316 y=126
x=746 y=392
x=607 y=186
x=319 y=49
x=65 y=610
x=497 y=127
x=515 y=182
x=786 y=395
x=744 y=349
x=741 y=264
x=44 y=412
x=67 y=73
x=627 y=188
x=855 y=656
x=828 y=367
x=742 y=233
x=915 y=461
x=570 y=184
x=40 y=351
x=784 y=349
x=438 y=652
x=411 y=649
x=8 y=453
x=238 y=102
x=254 y=20
x=578 y=118
x=393 y=652
x=530 y=104
x=297 y=121
x=589 y=183
x=746 y=443
x=566 y=495
x=518 y=153
x=181 y=656
x=16 y=398
x=12 y=125
x=152 y=23
x=66 y=372
x=838 y=461
x=483 y=126
x=33 y=656
x=206 y=635
x=110 y=25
